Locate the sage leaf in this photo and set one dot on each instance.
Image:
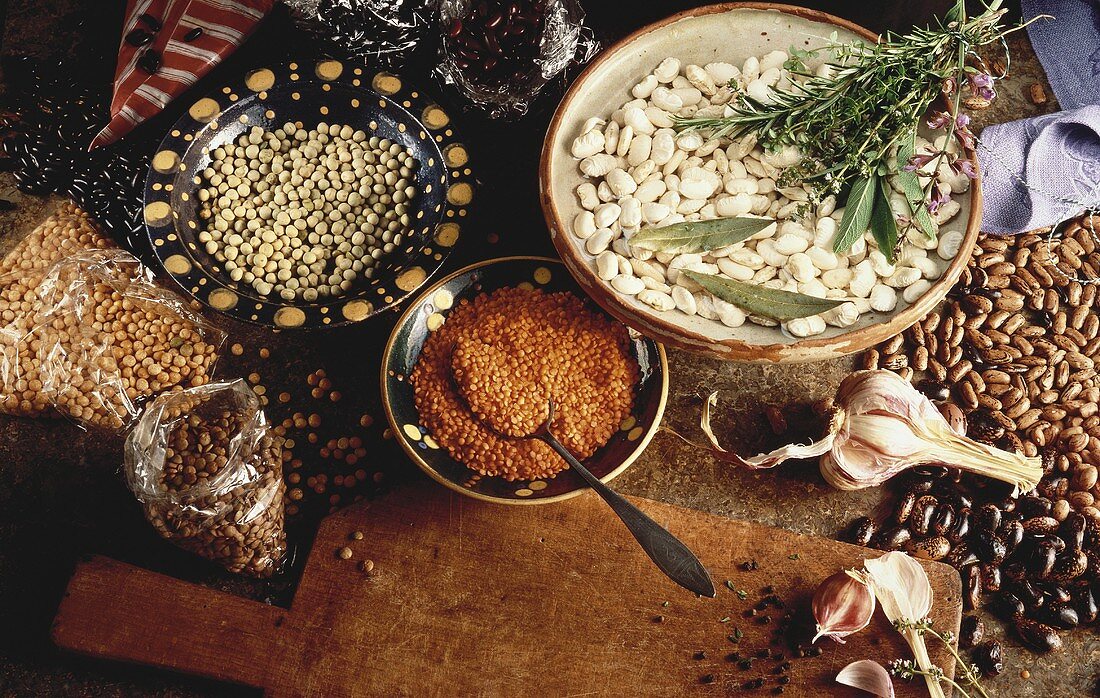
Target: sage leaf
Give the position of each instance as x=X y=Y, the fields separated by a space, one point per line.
x=911 y=188
x=699 y=236
x=857 y=213
x=883 y=224
x=759 y=300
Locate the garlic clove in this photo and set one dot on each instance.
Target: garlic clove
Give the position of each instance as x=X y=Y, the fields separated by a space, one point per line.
x=867 y=675
x=901 y=586
x=843 y=604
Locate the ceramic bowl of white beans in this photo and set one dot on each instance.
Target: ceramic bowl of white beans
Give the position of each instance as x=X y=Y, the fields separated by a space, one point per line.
x=613 y=163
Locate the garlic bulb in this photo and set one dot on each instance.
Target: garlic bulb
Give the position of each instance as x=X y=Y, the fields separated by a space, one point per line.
x=880 y=426
x=843 y=604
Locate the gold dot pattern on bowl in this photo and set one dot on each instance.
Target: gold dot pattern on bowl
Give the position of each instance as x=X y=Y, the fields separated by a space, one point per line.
x=357 y=310
x=542 y=276
x=158 y=212
x=409 y=279
x=166 y=161
x=289 y=316
x=434 y=322
x=329 y=70
x=446 y=234
x=205 y=280
x=537 y=485
x=412 y=431
x=177 y=264
x=223 y=299
x=386 y=83
x=204 y=110
x=443 y=299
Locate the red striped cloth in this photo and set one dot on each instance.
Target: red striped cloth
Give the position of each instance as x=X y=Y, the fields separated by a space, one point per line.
x=138 y=95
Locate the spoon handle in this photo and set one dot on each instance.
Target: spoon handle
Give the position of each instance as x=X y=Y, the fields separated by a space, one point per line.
x=667 y=552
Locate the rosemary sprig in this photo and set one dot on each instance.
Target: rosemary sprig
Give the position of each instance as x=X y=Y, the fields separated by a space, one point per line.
x=849 y=117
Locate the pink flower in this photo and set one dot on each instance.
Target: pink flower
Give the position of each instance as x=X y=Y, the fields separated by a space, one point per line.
x=964 y=166
x=981 y=85
x=939 y=198
x=939 y=120
x=918 y=161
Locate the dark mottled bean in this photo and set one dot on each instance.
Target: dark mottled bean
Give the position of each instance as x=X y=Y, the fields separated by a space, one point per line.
x=972 y=588
x=920 y=521
x=987 y=517
x=1012 y=533
x=971 y=632
x=863 y=529
x=989 y=547
x=905 y=506
x=1087 y=609
x=892 y=538
x=1061 y=615
x=1040 y=636
x=991 y=577
x=1007 y=605
x=988 y=657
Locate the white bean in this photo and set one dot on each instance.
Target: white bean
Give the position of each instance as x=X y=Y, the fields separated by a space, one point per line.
x=607 y=266
x=628 y=285
x=586 y=193
x=606 y=214
x=621 y=183
x=668 y=69
x=949 y=244
x=657 y=300
x=685 y=302
x=639 y=150
x=630 y=216
x=598 y=165
x=645 y=87
x=734 y=270
x=599 y=241
x=916 y=290
x=587 y=144
x=584 y=225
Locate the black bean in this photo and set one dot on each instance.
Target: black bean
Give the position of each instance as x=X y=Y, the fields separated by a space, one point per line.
x=1040 y=636
x=989 y=547
x=920 y=521
x=991 y=577
x=1054 y=488
x=987 y=517
x=148 y=20
x=1073 y=531
x=1085 y=603
x=862 y=530
x=149 y=61
x=1007 y=605
x=981 y=425
x=943 y=519
x=193 y=34
x=961 y=529
x=1033 y=506
x=934 y=389
x=961 y=556
x=1070 y=565
x=138 y=37
x=1041 y=560
x=905 y=507
x=1012 y=533
x=891 y=538
x=988 y=657
x=971 y=631
x=1027 y=592
x=972 y=588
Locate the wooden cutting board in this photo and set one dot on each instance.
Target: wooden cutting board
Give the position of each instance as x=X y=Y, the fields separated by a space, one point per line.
x=469 y=598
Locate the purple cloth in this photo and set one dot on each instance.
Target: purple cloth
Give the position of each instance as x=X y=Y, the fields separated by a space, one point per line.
x=1057 y=155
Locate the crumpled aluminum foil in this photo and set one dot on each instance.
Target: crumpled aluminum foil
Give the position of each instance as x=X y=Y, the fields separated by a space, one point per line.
x=381 y=32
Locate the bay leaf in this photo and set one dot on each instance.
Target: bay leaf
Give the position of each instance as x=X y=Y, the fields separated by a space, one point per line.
x=883 y=224
x=911 y=188
x=699 y=236
x=857 y=213
x=759 y=300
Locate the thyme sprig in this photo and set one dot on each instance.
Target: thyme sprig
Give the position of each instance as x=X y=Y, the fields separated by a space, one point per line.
x=851 y=117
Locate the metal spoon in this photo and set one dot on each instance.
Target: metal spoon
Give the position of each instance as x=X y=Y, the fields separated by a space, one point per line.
x=667 y=552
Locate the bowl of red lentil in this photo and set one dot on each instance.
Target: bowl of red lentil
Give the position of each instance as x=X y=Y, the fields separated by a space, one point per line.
x=491 y=342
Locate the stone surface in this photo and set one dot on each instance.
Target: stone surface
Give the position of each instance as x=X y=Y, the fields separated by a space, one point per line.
x=61 y=495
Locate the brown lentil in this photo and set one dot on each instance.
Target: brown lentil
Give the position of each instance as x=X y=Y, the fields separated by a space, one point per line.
x=511 y=351
x=209 y=476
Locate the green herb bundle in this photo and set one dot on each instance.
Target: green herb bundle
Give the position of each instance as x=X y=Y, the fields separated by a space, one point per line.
x=864 y=108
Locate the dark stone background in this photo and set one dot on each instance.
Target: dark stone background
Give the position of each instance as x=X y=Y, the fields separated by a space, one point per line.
x=61 y=495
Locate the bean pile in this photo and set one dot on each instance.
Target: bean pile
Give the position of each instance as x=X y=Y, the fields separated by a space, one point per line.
x=1015 y=347
x=497 y=42
x=218 y=490
x=66 y=232
x=303 y=213
x=507 y=352
x=108 y=337
x=44 y=140
x=641 y=173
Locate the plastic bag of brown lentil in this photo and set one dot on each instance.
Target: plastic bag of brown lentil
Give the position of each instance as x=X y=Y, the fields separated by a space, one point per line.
x=207 y=469
x=108 y=337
